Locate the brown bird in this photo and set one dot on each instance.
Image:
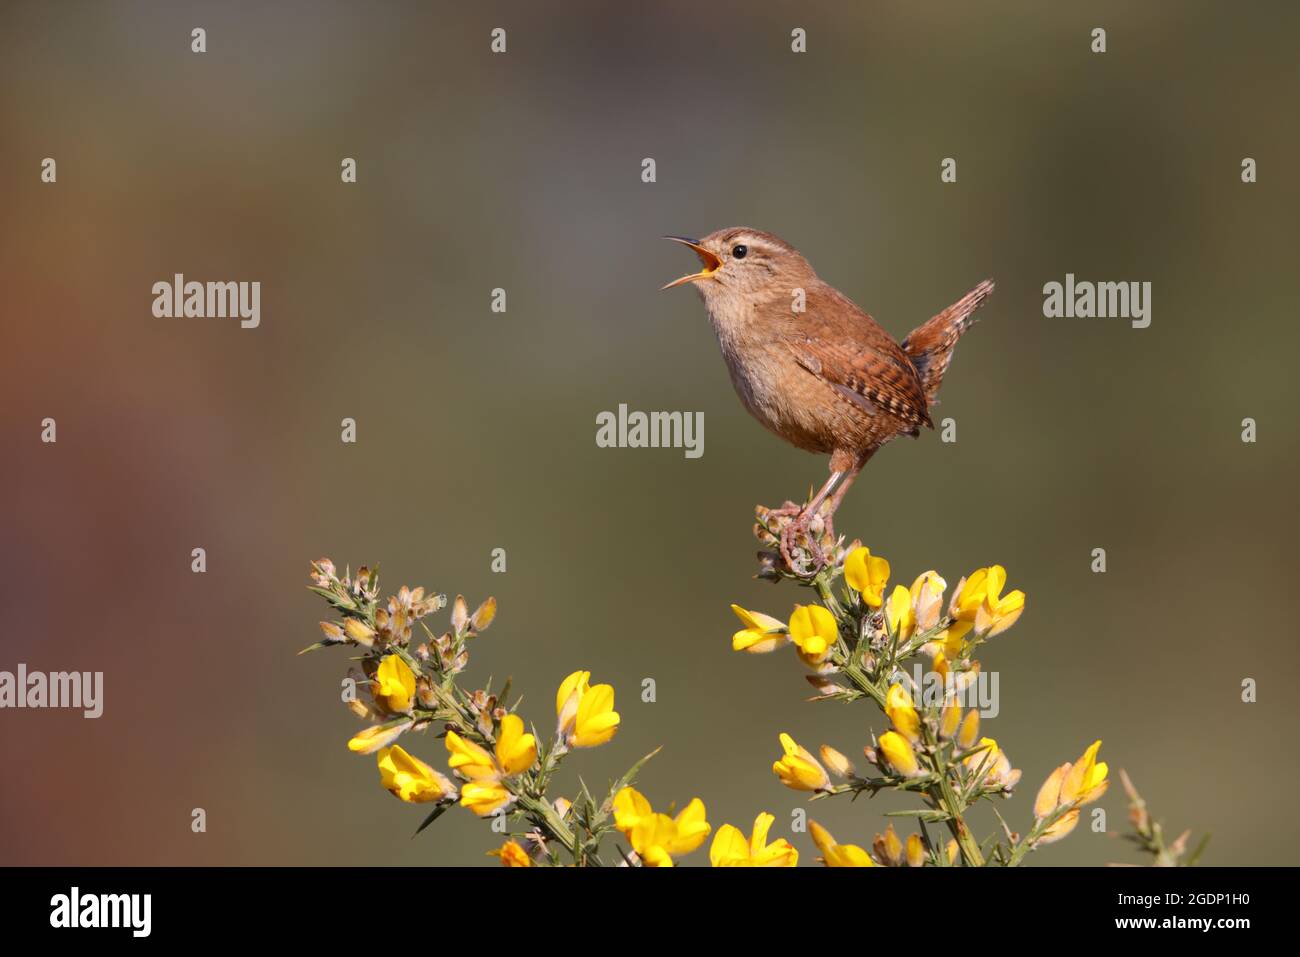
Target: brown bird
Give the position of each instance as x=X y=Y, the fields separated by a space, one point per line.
x=813 y=367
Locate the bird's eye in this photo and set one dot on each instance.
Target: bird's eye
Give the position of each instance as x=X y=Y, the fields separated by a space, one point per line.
x=739 y=251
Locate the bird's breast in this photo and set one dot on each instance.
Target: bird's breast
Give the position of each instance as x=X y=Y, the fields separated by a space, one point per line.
x=776 y=390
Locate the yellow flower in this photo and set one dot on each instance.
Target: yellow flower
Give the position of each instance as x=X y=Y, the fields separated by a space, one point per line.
x=469 y=760
x=586 y=713
x=969 y=595
x=838 y=855
x=951 y=640
x=1086 y=781
x=915 y=851
x=899 y=614
x=902 y=713
x=512 y=855
x=992 y=765
x=888 y=848
x=484 y=797
x=898 y=752
x=761 y=634
x=814 y=631
x=394 y=685
x=940 y=665
x=377 y=736
x=658 y=838
x=866 y=574
x=949 y=720
x=798 y=769
x=359 y=631
x=979 y=600
x=630 y=806
x=1083 y=781
x=927 y=599
x=1049 y=795
x=998 y=612
x=730 y=849
x=970 y=730
x=839 y=765
x=515 y=751
x=411 y=779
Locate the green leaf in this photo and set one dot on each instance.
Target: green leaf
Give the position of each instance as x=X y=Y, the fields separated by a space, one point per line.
x=627 y=779
x=436 y=813
x=608 y=805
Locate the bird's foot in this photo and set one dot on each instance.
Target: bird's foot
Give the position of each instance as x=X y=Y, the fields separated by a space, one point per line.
x=800 y=543
x=813 y=556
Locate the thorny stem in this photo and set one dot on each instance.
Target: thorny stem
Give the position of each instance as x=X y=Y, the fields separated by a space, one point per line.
x=942 y=795
x=941 y=792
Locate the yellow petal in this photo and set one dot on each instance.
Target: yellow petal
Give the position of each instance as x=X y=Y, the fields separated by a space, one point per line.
x=813 y=629
x=375 y=737
x=1049 y=795
x=575 y=682
x=970 y=730
x=898 y=613
x=596 y=720
x=393 y=686
x=512 y=855
x=690 y=829
x=915 y=851
x=798 y=769
x=630 y=808
x=837 y=763
x=866 y=574
x=410 y=779
x=1082 y=777
x=729 y=848
x=515 y=750
x=902 y=713
x=484 y=797
x=898 y=752
x=949 y=721
x=468 y=759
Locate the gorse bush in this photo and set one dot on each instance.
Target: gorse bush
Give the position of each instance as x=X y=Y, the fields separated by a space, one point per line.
x=855 y=637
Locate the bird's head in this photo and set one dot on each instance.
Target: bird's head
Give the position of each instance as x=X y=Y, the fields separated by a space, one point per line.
x=743 y=265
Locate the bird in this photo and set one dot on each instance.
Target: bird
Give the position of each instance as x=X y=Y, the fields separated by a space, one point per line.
x=813 y=367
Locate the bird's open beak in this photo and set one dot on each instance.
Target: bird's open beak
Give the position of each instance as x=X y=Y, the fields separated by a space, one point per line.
x=711 y=262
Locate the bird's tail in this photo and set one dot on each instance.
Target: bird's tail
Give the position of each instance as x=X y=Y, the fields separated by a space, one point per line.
x=930 y=345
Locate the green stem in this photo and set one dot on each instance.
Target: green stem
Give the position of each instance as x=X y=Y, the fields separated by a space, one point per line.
x=943 y=795
x=544 y=813
x=823 y=586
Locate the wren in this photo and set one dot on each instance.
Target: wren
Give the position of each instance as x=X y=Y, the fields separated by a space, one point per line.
x=813 y=367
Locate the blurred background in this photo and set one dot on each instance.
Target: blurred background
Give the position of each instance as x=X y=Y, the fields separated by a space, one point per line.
x=476 y=430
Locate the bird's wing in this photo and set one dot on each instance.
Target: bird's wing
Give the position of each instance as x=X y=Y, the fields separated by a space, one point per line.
x=843 y=346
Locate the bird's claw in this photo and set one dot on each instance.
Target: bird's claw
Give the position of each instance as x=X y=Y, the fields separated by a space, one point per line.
x=790 y=536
